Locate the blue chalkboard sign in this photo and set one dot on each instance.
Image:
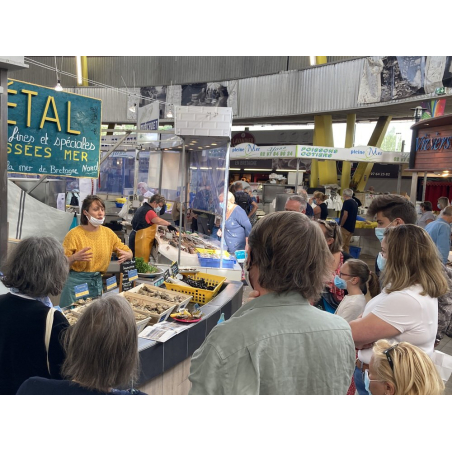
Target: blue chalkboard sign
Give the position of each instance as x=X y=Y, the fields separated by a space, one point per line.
x=52 y=132
x=111 y=283
x=81 y=290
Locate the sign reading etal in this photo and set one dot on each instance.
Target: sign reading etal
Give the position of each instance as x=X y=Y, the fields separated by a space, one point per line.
x=52 y=132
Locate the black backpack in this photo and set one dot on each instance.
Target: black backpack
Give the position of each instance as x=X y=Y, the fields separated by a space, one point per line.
x=74 y=200
x=242 y=199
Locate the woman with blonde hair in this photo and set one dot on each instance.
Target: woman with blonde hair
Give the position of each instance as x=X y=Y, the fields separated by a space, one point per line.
x=401 y=369
x=407 y=308
x=320 y=209
x=101 y=353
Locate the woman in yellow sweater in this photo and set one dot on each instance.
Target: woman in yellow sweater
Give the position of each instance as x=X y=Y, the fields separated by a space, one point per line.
x=88 y=248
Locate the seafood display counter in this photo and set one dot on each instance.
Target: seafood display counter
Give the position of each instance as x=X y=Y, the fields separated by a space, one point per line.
x=165 y=366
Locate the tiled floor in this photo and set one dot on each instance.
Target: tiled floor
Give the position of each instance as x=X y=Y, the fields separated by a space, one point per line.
x=444 y=346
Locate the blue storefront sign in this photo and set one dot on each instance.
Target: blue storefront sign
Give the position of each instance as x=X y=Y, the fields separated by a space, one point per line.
x=52 y=132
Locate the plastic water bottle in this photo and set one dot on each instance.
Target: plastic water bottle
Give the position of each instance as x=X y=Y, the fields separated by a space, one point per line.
x=221 y=319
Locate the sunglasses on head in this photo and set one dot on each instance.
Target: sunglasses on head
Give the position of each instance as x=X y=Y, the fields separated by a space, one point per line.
x=388 y=356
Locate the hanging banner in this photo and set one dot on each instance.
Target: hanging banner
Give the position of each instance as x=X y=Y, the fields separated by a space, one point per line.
x=252 y=151
x=148 y=119
x=356 y=154
x=52 y=132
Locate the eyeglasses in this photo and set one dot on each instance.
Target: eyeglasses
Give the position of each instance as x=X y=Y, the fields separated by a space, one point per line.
x=345 y=274
x=388 y=356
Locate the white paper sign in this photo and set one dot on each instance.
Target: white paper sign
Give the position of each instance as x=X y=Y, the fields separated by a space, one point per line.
x=61 y=201
x=148 y=119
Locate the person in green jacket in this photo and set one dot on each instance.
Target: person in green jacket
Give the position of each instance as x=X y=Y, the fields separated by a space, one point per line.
x=279 y=343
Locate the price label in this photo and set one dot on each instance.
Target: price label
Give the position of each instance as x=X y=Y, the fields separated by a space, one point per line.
x=81 y=290
x=159 y=282
x=111 y=283
x=133 y=275
x=174 y=268
x=126 y=267
x=166 y=275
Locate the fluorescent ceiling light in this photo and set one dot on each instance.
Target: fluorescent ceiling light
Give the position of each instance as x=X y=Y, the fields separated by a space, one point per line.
x=78 y=62
x=312 y=60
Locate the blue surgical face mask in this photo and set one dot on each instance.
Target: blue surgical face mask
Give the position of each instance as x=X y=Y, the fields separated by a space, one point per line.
x=314 y=202
x=367 y=382
x=439 y=207
x=221 y=205
x=379 y=232
x=381 y=261
x=340 y=283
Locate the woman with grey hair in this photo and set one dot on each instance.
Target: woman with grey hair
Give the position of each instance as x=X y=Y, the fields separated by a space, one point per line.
x=34 y=269
x=102 y=353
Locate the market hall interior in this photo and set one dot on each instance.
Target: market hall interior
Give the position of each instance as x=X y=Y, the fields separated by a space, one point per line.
x=91 y=164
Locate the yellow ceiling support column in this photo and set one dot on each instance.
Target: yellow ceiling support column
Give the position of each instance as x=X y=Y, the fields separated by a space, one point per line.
x=349 y=141
x=323 y=126
x=322 y=172
x=84 y=61
x=363 y=171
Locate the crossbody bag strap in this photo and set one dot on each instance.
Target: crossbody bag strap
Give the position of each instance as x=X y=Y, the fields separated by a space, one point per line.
x=49 y=324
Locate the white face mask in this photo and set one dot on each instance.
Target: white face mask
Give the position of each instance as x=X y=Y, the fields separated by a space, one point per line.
x=95 y=222
x=157 y=209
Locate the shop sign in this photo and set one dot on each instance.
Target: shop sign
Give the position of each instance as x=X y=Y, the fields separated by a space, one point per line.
x=52 y=132
x=251 y=163
x=355 y=154
x=242 y=137
x=433 y=144
x=432 y=148
x=251 y=150
x=380 y=171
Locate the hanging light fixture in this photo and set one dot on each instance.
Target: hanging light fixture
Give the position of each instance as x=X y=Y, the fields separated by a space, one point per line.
x=169 y=113
x=133 y=108
x=58 y=86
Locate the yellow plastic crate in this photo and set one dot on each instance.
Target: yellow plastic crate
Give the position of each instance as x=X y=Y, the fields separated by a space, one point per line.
x=215 y=252
x=200 y=296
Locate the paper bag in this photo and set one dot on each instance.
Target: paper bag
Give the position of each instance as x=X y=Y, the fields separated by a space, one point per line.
x=443 y=364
